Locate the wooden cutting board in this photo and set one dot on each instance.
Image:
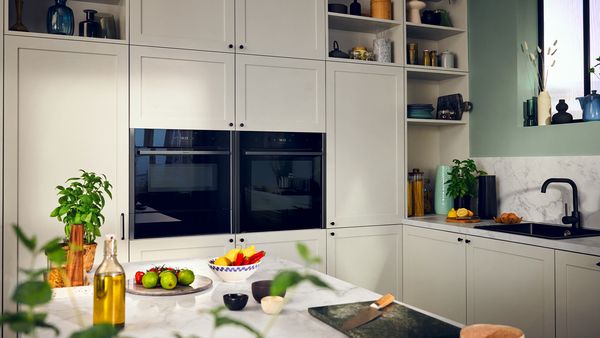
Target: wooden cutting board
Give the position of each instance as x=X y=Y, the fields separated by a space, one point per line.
x=397 y=321
x=200 y=283
x=464 y=220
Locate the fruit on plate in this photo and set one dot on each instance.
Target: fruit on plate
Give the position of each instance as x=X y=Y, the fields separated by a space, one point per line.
x=239 y=256
x=508 y=218
x=138 y=277
x=150 y=280
x=168 y=280
x=462 y=212
x=166 y=277
x=185 y=277
x=452 y=213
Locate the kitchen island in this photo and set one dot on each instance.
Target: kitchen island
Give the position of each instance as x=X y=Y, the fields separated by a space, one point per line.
x=163 y=316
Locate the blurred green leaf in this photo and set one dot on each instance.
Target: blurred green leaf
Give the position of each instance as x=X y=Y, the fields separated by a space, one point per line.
x=226 y=321
x=54 y=251
x=318 y=282
x=32 y=293
x=97 y=331
x=303 y=251
x=284 y=280
x=30 y=243
x=25 y=322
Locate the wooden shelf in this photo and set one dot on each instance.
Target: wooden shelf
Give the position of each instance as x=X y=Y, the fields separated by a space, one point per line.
x=364 y=24
x=65 y=37
x=434 y=122
x=361 y=62
x=433 y=73
x=430 y=32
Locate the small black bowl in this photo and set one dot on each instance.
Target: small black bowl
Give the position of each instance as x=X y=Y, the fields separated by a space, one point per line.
x=235 y=301
x=337 y=8
x=262 y=288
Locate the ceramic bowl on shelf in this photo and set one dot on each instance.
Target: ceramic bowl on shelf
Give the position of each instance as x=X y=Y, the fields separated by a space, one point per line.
x=233 y=273
x=420 y=111
x=337 y=8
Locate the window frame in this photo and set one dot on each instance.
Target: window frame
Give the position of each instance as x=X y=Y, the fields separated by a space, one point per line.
x=587 y=77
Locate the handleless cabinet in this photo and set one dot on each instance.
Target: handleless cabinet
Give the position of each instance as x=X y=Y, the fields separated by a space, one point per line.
x=287 y=28
x=179 y=89
x=434 y=276
x=280 y=94
x=188 y=24
x=65 y=109
x=577 y=296
x=365 y=145
x=370 y=257
x=283 y=244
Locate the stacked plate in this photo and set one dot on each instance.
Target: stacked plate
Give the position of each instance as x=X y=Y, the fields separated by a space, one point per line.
x=420 y=111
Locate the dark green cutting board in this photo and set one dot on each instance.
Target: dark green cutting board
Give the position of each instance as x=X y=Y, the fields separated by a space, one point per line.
x=397 y=321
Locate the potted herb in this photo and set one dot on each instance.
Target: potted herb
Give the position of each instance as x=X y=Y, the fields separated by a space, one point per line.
x=81 y=203
x=462 y=184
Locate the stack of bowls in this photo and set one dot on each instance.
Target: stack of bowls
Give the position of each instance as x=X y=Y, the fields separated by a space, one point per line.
x=420 y=111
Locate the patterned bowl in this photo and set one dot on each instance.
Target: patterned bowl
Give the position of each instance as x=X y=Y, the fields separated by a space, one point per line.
x=233 y=273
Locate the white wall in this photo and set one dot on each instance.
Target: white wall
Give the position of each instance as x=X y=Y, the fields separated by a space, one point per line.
x=520 y=179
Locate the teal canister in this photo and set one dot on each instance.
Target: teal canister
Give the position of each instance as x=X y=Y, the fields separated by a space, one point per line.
x=443 y=201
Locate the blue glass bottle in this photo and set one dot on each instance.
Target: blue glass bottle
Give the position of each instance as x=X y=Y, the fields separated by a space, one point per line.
x=60 y=19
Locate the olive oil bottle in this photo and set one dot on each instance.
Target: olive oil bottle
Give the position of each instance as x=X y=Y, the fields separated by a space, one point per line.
x=109 y=288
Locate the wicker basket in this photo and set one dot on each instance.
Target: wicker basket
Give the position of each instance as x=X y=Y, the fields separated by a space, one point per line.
x=381 y=9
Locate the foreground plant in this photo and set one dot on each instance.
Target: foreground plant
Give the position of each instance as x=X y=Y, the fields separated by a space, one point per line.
x=593 y=69
x=34 y=292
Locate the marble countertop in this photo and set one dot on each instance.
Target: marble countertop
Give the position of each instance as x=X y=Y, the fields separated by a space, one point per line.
x=161 y=317
x=586 y=245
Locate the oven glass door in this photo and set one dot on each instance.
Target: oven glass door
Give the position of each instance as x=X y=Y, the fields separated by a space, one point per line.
x=280 y=191
x=182 y=191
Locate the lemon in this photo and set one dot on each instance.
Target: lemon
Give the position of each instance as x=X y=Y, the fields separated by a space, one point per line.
x=232 y=254
x=249 y=251
x=462 y=212
x=452 y=213
x=471 y=214
x=222 y=261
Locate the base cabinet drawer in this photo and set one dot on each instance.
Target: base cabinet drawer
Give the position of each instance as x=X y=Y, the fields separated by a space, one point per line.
x=159 y=249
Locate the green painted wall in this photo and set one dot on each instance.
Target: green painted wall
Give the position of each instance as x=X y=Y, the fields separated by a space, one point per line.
x=500 y=81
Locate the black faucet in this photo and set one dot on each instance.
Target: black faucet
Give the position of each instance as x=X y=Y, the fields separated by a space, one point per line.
x=575 y=218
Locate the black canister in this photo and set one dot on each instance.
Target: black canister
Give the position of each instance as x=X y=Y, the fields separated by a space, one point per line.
x=89 y=27
x=487 y=200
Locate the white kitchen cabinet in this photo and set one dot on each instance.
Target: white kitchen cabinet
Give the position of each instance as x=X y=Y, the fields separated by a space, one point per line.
x=288 y=28
x=512 y=284
x=434 y=275
x=280 y=94
x=282 y=244
x=65 y=109
x=365 y=145
x=370 y=257
x=189 y=24
x=577 y=296
x=169 y=248
x=180 y=89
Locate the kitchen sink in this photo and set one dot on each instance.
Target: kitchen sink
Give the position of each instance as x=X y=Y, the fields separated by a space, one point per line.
x=548 y=231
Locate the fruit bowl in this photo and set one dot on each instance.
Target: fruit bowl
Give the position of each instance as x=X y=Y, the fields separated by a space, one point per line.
x=233 y=273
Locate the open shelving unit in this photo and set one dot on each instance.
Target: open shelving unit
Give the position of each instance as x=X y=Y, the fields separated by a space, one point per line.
x=35 y=12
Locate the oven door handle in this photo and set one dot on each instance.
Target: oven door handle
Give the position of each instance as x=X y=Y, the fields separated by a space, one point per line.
x=183 y=152
x=283 y=153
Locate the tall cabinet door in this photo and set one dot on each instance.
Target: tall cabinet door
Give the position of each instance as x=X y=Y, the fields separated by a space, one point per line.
x=65 y=110
x=369 y=257
x=179 y=89
x=283 y=244
x=577 y=296
x=511 y=284
x=365 y=145
x=434 y=277
x=190 y=24
x=280 y=94
x=281 y=28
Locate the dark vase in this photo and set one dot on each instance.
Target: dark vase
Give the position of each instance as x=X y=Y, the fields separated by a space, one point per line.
x=487 y=200
x=89 y=27
x=60 y=19
x=462 y=202
x=562 y=116
x=355 y=8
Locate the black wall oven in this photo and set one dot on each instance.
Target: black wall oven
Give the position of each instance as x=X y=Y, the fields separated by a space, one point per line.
x=189 y=182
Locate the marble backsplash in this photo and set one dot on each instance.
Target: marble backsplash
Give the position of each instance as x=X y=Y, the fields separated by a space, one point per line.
x=519 y=180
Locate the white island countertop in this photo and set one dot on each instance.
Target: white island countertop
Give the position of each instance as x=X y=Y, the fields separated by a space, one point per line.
x=583 y=245
x=161 y=317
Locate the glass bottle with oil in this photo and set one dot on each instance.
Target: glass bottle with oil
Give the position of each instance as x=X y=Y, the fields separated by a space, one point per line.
x=109 y=288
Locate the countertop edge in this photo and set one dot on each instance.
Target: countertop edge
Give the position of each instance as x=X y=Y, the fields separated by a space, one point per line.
x=586 y=246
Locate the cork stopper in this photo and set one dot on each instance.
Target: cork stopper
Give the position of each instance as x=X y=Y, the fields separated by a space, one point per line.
x=110 y=245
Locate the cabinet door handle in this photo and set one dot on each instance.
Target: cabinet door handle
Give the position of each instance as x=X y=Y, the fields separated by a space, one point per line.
x=598 y=264
x=241 y=125
x=122 y=226
x=460 y=239
x=332 y=223
x=241 y=46
x=231 y=240
x=230 y=45
x=231 y=124
x=333 y=234
x=242 y=240
x=468 y=241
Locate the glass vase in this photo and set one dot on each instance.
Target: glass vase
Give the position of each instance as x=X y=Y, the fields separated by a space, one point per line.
x=60 y=19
